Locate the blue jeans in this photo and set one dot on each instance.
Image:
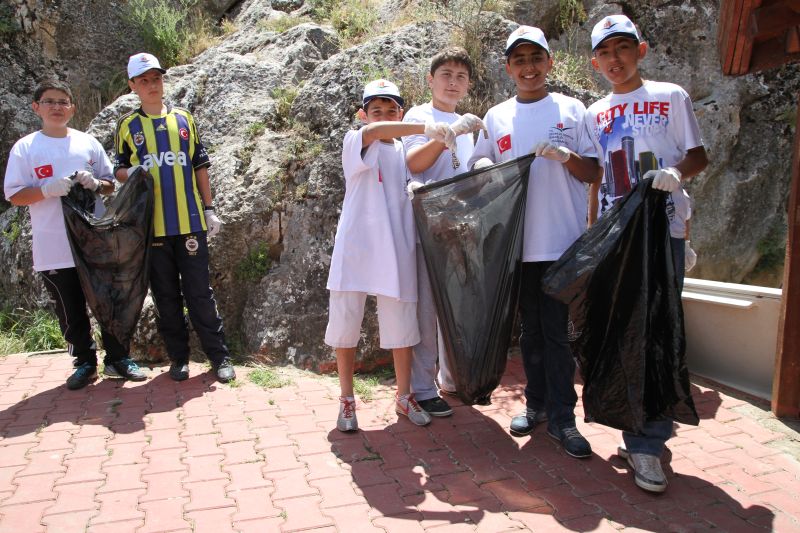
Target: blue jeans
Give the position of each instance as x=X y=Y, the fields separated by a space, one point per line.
x=656 y=432
x=546 y=355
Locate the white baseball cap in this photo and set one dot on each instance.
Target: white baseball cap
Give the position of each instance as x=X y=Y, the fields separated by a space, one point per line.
x=526 y=34
x=613 y=26
x=138 y=64
x=382 y=89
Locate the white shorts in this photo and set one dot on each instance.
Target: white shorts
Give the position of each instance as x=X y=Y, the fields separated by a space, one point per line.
x=397 y=321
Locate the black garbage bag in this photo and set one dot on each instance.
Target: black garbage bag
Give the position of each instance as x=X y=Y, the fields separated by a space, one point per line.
x=111 y=253
x=470 y=228
x=626 y=318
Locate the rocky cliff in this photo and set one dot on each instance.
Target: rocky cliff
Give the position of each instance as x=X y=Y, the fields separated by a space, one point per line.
x=273 y=107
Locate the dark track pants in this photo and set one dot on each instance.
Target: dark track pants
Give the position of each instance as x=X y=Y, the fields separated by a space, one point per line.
x=66 y=293
x=178 y=273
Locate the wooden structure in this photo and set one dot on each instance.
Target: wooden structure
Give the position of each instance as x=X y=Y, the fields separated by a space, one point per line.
x=755 y=35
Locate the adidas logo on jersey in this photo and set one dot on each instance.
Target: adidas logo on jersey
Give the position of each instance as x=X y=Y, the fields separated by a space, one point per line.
x=161 y=127
x=164 y=158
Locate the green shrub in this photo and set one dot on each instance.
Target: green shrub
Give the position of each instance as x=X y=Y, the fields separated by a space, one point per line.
x=8 y=20
x=354 y=20
x=267 y=378
x=284 y=98
x=574 y=70
x=161 y=25
x=282 y=24
x=256 y=264
x=29 y=331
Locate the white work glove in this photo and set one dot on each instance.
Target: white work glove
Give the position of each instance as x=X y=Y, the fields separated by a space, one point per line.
x=483 y=162
x=411 y=187
x=551 y=151
x=56 y=187
x=467 y=123
x=691 y=256
x=442 y=132
x=133 y=169
x=87 y=180
x=213 y=223
x=667 y=179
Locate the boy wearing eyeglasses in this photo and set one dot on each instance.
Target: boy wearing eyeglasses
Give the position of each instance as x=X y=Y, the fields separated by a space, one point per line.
x=42 y=167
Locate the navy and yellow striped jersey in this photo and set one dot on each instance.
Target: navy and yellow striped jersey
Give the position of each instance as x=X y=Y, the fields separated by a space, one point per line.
x=169 y=147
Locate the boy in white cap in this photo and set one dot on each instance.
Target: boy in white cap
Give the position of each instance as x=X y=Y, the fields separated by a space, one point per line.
x=642 y=129
x=42 y=167
x=374 y=247
x=551 y=126
x=429 y=161
x=164 y=140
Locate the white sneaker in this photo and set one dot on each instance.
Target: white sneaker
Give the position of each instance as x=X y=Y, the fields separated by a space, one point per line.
x=648 y=474
x=407 y=405
x=347 y=420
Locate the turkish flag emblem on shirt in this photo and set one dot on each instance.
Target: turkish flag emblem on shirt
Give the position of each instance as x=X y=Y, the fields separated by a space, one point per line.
x=504 y=143
x=44 y=171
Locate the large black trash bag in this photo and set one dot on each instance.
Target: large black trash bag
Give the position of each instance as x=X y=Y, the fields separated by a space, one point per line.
x=470 y=228
x=112 y=252
x=627 y=333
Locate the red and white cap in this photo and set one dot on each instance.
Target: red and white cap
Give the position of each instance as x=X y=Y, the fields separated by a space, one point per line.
x=613 y=26
x=526 y=34
x=382 y=89
x=138 y=64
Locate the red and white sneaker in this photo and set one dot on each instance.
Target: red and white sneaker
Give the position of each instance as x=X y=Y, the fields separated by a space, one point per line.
x=408 y=406
x=347 y=420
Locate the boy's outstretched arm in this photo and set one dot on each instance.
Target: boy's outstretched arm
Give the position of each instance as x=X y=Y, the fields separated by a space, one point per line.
x=695 y=161
x=669 y=179
x=421 y=158
x=388 y=130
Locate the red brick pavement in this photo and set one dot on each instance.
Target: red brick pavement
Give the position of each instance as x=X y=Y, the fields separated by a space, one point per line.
x=160 y=456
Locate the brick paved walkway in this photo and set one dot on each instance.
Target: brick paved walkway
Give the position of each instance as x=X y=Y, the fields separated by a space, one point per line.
x=200 y=456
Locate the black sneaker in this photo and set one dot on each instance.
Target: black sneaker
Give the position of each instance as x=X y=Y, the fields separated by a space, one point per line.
x=123 y=369
x=225 y=371
x=435 y=406
x=571 y=440
x=524 y=423
x=179 y=371
x=83 y=375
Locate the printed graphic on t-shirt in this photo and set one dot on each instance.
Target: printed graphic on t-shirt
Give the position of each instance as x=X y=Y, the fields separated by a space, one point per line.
x=619 y=127
x=44 y=171
x=504 y=143
x=561 y=135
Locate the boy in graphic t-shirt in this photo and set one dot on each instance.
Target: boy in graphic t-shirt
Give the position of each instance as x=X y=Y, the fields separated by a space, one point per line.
x=374 y=247
x=429 y=161
x=643 y=129
x=42 y=167
x=551 y=126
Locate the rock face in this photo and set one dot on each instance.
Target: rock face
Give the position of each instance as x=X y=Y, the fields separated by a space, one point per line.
x=273 y=107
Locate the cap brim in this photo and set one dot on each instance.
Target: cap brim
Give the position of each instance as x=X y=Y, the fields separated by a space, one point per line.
x=397 y=99
x=523 y=40
x=161 y=70
x=617 y=34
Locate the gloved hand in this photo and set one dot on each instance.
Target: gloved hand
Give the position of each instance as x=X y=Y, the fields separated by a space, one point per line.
x=133 y=169
x=467 y=123
x=87 y=180
x=691 y=256
x=667 y=179
x=411 y=187
x=213 y=223
x=442 y=132
x=483 y=162
x=551 y=151
x=56 y=187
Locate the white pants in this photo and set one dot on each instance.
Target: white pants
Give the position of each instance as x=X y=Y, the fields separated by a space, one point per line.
x=397 y=321
x=430 y=349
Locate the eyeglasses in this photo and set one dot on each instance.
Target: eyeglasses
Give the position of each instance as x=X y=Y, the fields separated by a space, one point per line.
x=54 y=103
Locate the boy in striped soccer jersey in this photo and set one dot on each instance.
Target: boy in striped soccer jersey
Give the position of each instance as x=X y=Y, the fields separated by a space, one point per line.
x=164 y=141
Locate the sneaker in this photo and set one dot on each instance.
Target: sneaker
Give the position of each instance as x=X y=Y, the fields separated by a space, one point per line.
x=179 y=371
x=647 y=470
x=347 y=420
x=524 y=423
x=436 y=406
x=82 y=376
x=408 y=406
x=123 y=369
x=571 y=440
x=225 y=371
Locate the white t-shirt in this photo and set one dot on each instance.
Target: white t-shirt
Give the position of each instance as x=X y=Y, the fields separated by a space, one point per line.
x=443 y=167
x=555 y=212
x=36 y=159
x=650 y=128
x=374 y=251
